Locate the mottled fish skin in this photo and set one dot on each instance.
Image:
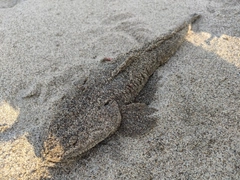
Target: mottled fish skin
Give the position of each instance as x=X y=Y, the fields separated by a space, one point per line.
x=92 y=112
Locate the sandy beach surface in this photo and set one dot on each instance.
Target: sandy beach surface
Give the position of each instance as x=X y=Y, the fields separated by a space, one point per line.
x=47 y=46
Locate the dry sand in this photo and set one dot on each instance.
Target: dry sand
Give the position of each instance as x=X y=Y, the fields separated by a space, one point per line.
x=46 y=46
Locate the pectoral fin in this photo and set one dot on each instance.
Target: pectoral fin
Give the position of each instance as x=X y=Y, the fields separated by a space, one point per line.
x=136 y=119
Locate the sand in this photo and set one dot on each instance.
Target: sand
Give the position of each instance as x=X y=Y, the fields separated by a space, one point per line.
x=46 y=47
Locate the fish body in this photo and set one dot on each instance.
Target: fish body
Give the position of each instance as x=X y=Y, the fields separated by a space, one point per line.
x=93 y=111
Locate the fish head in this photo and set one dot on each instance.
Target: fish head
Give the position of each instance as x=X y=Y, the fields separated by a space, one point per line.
x=78 y=127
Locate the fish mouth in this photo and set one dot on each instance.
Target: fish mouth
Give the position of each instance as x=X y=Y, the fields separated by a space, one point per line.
x=52 y=151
